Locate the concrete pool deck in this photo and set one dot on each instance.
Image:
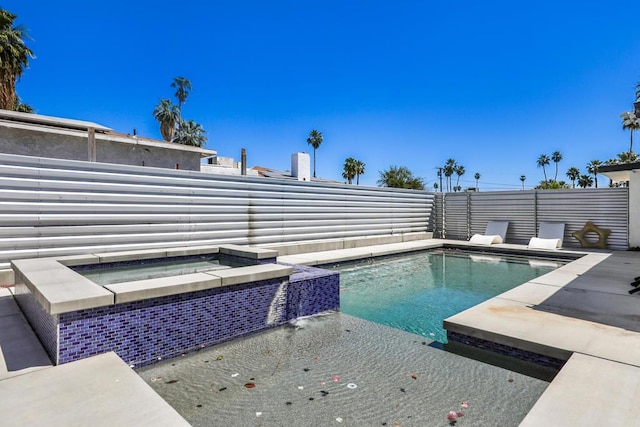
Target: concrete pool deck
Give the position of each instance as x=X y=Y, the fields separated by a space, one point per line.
x=599 y=385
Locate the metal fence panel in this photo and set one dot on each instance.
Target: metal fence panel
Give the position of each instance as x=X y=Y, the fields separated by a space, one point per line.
x=605 y=207
x=517 y=207
x=51 y=207
x=460 y=215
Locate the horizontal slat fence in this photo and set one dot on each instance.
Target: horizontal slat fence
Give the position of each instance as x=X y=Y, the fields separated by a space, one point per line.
x=51 y=207
x=466 y=214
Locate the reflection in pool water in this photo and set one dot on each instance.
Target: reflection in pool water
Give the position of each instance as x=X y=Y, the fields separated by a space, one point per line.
x=416 y=292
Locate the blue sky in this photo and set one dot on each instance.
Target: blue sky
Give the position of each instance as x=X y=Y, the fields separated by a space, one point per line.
x=491 y=84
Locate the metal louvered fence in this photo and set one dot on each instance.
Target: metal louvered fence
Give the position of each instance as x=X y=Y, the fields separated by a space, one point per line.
x=52 y=207
x=460 y=215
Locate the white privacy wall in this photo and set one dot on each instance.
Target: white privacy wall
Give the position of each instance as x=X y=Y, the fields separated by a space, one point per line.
x=51 y=207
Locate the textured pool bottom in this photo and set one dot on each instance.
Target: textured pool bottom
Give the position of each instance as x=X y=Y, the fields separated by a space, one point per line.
x=339 y=370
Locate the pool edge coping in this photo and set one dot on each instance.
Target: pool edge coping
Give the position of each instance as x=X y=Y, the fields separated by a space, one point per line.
x=60 y=289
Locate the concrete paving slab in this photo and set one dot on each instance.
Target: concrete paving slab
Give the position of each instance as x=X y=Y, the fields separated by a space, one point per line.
x=588 y=260
x=99 y=391
x=298 y=259
x=59 y=289
x=35 y=264
x=248 y=252
x=370 y=241
x=600 y=294
x=130 y=255
x=530 y=293
x=517 y=324
x=359 y=252
x=330 y=257
x=162 y=286
x=609 y=283
x=251 y=273
x=191 y=250
x=589 y=391
x=618 y=310
x=381 y=250
x=555 y=278
x=73 y=260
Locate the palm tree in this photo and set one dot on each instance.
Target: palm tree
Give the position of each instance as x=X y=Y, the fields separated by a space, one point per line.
x=522 y=179
x=592 y=168
x=14 y=58
x=556 y=157
x=167 y=115
x=449 y=169
x=191 y=133
x=183 y=86
x=477 y=177
x=543 y=160
x=632 y=122
x=350 y=169
x=360 y=167
x=573 y=173
x=315 y=140
x=400 y=177
x=585 y=181
x=459 y=170
x=626 y=157
x=22 y=107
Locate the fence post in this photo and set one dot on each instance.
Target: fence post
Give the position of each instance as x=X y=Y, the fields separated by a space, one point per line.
x=468 y=216
x=535 y=212
x=444 y=222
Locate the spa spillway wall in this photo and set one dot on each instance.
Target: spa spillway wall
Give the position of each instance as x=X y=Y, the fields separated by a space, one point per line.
x=144 y=330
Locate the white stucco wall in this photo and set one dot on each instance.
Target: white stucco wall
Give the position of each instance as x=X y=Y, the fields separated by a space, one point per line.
x=301 y=166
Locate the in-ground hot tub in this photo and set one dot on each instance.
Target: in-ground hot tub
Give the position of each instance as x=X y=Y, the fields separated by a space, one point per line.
x=150 y=317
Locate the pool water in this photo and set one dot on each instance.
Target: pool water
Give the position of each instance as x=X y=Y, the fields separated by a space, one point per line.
x=339 y=370
x=416 y=292
x=119 y=272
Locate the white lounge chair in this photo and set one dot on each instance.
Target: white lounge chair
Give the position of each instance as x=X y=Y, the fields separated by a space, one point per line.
x=496 y=232
x=550 y=236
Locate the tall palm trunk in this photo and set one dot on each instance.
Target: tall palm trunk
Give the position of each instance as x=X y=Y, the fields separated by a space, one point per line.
x=7 y=89
x=167 y=130
x=314 y=162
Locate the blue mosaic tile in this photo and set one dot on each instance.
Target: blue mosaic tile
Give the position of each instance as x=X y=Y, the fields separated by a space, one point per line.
x=505 y=350
x=143 y=332
x=44 y=324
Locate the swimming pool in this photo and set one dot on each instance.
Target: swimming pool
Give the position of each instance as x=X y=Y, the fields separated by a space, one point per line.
x=416 y=292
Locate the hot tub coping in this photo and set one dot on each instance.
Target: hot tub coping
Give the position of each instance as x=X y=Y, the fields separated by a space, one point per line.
x=164 y=286
x=59 y=289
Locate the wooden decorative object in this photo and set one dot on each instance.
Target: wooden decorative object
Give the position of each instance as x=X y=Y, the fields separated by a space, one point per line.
x=590 y=227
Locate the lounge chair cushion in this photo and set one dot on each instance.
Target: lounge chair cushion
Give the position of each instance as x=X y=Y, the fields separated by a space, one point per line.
x=550 y=236
x=496 y=232
x=482 y=239
x=538 y=243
